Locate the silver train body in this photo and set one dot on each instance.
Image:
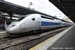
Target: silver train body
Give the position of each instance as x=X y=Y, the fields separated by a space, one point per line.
x=33 y=22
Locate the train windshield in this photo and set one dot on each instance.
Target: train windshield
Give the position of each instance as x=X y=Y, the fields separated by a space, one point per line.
x=20 y=18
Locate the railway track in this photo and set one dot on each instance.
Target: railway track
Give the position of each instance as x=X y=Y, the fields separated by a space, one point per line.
x=6 y=42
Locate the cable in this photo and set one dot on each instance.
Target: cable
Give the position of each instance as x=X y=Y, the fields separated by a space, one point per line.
x=45 y=4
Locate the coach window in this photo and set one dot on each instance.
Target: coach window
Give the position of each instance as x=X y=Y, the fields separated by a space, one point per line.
x=33 y=19
x=20 y=18
x=52 y=18
x=47 y=17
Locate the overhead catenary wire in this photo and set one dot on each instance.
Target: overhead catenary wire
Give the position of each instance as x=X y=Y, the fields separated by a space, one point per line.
x=45 y=4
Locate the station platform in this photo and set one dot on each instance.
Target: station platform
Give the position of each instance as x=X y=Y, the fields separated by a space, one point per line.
x=64 y=40
x=2 y=33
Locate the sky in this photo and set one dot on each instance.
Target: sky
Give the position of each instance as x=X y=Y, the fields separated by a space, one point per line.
x=40 y=5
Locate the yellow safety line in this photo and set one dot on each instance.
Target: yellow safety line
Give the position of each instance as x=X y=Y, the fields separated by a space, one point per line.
x=34 y=48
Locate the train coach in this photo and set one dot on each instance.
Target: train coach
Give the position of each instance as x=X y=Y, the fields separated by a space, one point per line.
x=33 y=22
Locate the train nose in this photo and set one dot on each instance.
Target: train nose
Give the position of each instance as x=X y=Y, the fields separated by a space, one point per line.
x=10 y=30
x=13 y=28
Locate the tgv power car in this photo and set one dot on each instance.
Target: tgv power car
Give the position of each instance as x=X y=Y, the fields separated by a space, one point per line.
x=33 y=22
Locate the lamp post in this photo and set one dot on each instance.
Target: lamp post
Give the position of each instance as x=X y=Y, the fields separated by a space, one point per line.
x=30 y=4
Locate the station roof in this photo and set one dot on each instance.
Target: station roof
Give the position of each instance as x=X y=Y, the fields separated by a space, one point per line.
x=66 y=6
x=13 y=8
x=7 y=7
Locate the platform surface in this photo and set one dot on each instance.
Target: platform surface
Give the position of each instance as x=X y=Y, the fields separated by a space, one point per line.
x=66 y=42
x=3 y=33
x=1 y=30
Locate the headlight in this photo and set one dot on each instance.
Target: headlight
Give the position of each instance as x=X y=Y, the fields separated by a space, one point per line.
x=13 y=25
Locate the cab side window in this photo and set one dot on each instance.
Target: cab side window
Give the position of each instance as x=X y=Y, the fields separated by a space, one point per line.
x=33 y=19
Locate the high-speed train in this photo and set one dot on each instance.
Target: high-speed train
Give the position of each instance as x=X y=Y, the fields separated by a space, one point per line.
x=33 y=22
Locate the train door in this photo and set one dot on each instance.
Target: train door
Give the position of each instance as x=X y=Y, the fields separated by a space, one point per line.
x=60 y=23
x=38 y=21
x=56 y=22
x=30 y=23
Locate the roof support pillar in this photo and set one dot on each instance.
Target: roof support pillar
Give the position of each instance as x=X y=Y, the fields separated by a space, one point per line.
x=11 y=14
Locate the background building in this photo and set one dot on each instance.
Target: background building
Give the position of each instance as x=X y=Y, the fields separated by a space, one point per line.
x=67 y=19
